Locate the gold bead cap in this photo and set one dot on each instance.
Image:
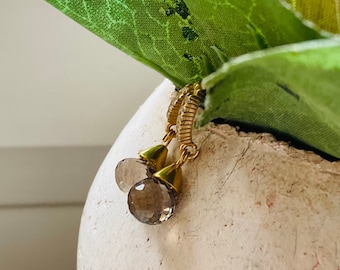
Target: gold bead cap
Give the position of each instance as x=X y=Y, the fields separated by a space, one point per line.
x=155 y=156
x=171 y=175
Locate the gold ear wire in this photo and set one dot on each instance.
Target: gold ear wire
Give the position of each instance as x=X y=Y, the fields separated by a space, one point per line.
x=186 y=106
x=131 y=170
x=186 y=119
x=155 y=156
x=176 y=104
x=181 y=112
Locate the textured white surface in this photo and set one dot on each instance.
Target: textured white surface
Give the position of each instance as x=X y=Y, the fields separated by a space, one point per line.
x=249 y=202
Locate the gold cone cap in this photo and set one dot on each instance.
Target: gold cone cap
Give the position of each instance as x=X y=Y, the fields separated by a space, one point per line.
x=155 y=156
x=171 y=175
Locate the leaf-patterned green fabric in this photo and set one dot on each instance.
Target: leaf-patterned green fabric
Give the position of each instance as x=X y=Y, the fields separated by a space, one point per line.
x=324 y=13
x=302 y=100
x=191 y=40
x=187 y=40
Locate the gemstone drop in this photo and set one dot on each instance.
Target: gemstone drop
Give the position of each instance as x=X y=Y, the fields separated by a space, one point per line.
x=151 y=201
x=131 y=170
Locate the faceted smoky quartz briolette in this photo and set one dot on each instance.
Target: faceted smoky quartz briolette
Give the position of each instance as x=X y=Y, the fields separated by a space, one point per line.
x=151 y=201
x=130 y=171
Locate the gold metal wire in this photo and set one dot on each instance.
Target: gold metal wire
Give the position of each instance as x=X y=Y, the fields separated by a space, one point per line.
x=172 y=114
x=182 y=158
x=169 y=136
x=176 y=104
x=181 y=112
x=186 y=117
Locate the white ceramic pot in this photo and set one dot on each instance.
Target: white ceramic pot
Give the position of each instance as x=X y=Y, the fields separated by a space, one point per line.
x=249 y=202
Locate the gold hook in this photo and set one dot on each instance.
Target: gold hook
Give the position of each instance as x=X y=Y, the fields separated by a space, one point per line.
x=176 y=105
x=186 y=117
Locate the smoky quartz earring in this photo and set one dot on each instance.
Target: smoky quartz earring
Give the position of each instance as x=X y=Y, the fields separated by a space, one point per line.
x=154 y=189
x=131 y=170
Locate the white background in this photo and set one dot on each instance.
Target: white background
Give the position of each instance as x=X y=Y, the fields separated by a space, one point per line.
x=60 y=84
x=65 y=95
